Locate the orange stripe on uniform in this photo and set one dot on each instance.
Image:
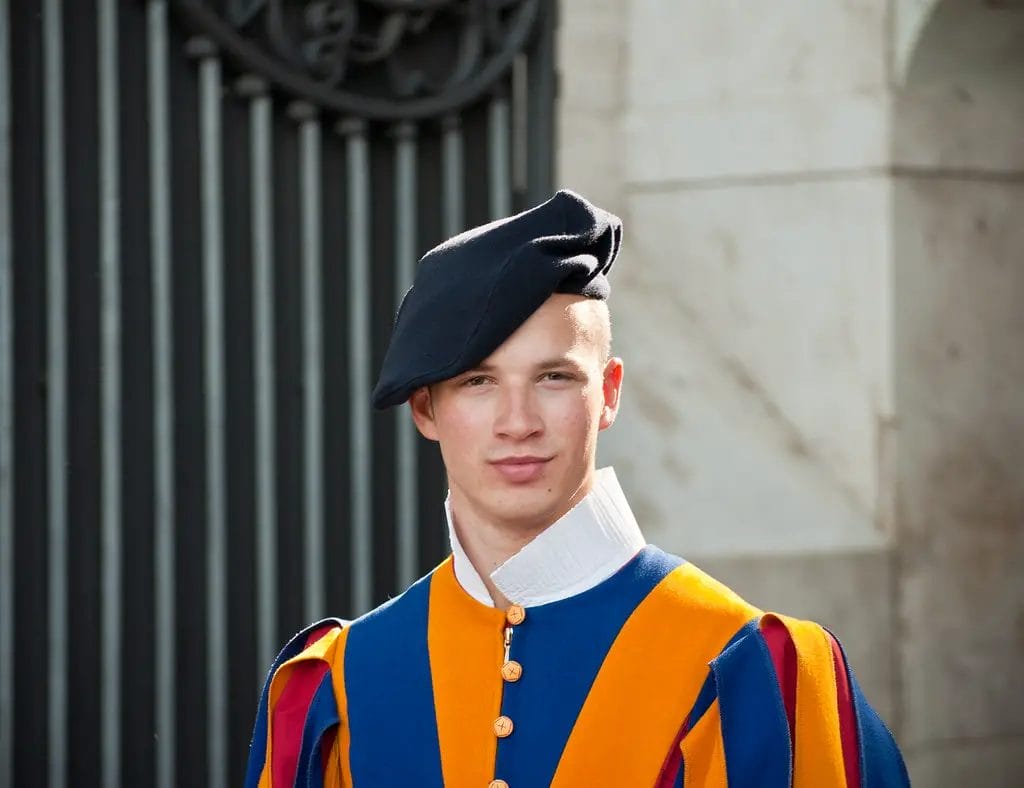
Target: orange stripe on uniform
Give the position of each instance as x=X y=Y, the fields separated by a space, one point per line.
x=818 y=759
x=464 y=638
x=338 y=773
x=649 y=681
x=704 y=752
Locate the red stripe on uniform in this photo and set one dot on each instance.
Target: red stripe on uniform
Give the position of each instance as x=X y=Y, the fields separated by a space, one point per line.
x=290 y=713
x=783 y=654
x=847 y=717
x=674 y=761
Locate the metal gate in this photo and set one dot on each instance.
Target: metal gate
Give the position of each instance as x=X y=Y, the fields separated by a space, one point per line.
x=208 y=212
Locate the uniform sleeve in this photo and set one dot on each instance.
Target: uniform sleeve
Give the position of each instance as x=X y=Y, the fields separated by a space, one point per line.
x=781 y=709
x=836 y=738
x=295 y=734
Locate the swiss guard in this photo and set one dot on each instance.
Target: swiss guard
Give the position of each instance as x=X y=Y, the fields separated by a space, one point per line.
x=554 y=646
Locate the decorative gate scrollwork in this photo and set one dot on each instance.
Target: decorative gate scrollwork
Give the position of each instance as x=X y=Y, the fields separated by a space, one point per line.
x=352 y=56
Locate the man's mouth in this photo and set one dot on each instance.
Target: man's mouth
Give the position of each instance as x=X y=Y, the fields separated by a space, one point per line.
x=521 y=469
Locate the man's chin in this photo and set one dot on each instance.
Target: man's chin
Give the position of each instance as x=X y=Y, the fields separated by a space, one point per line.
x=538 y=512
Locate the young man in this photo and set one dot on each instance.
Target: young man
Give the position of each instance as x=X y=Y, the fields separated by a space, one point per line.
x=554 y=647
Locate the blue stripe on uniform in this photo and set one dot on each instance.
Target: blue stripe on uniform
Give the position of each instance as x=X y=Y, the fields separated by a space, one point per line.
x=708 y=692
x=561 y=646
x=390 y=697
x=881 y=765
x=321 y=717
x=755 y=731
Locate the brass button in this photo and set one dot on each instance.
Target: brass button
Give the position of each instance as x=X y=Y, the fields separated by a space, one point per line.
x=515 y=615
x=511 y=671
x=503 y=727
x=497 y=784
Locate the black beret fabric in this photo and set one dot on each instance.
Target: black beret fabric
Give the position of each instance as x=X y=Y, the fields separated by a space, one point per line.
x=473 y=291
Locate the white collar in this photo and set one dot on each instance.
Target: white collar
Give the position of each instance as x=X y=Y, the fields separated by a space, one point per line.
x=584 y=547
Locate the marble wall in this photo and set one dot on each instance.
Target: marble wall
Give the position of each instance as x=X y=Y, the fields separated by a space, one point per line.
x=958 y=281
x=819 y=307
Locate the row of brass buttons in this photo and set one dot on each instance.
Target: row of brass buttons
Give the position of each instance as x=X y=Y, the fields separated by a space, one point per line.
x=511 y=671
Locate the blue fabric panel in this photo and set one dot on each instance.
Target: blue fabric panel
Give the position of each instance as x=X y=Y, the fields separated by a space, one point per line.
x=681 y=777
x=881 y=765
x=314 y=771
x=561 y=646
x=321 y=717
x=390 y=714
x=755 y=731
x=258 y=743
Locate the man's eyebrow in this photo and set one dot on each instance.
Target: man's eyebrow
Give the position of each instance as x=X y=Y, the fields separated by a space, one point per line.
x=561 y=361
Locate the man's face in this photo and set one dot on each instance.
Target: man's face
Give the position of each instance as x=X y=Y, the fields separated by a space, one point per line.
x=518 y=434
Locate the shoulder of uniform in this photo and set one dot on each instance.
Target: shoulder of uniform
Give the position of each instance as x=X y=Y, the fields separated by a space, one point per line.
x=694 y=586
x=802 y=632
x=310 y=638
x=293 y=678
x=808 y=640
x=318 y=630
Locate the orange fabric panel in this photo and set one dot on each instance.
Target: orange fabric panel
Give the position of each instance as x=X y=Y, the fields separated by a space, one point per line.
x=818 y=756
x=466 y=645
x=265 y=774
x=332 y=766
x=704 y=752
x=650 y=679
x=338 y=773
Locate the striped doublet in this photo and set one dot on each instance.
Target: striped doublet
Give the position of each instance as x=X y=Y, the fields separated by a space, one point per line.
x=658 y=676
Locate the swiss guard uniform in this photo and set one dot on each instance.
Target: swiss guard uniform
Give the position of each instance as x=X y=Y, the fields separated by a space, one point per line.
x=617 y=664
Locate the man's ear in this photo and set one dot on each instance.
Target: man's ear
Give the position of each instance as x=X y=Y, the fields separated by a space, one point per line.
x=612 y=391
x=422 y=408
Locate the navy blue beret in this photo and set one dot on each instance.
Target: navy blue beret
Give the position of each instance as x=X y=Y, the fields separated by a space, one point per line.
x=473 y=291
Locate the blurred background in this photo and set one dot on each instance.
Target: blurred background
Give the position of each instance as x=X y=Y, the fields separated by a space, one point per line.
x=209 y=210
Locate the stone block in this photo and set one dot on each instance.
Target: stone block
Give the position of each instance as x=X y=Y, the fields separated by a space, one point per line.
x=591 y=51
x=590 y=156
x=959 y=331
x=686 y=50
x=753 y=321
x=757 y=138
x=992 y=764
x=960 y=127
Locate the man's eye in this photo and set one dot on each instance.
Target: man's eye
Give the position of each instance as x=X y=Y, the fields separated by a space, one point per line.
x=476 y=380
x=556 y=376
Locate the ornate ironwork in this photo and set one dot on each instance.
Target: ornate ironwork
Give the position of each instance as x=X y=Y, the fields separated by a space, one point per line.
x=375 y=59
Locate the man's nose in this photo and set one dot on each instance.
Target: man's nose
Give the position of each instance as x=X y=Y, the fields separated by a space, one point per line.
x=518 y=417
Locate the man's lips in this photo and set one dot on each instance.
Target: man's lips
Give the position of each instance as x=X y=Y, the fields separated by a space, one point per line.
x=521 y=469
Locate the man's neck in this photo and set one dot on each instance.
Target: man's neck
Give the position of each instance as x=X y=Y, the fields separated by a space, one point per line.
x=489 y=544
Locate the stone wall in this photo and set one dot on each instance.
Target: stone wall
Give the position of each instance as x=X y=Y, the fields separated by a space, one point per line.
x=819 y=307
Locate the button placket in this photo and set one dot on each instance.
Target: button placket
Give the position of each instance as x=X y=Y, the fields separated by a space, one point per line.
x=511 y=672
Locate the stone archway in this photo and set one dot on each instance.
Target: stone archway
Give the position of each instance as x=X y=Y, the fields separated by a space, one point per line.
x=958 y=284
